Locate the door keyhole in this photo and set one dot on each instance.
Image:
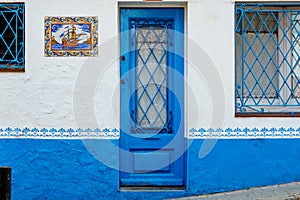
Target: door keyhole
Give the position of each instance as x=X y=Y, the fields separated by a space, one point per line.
x=123 y=58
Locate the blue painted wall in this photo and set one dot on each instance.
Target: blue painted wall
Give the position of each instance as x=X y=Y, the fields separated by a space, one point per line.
x=61 y=169
x=237 y=164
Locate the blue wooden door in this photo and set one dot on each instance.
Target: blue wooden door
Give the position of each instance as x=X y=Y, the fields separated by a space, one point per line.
x=152 y=97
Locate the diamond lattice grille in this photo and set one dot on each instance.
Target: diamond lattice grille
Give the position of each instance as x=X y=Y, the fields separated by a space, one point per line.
x=7 y=39
x=151 y=76
x=11 y=36
x=267 y=58
x=295 y=56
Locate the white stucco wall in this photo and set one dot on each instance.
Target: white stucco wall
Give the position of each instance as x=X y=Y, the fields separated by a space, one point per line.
x=43 y=95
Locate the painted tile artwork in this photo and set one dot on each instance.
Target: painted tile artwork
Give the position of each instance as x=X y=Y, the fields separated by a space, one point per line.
x=71 y=36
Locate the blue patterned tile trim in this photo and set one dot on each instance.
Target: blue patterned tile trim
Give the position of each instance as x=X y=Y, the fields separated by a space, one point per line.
x=235 y=133
x=114 y=133
x=60 y=133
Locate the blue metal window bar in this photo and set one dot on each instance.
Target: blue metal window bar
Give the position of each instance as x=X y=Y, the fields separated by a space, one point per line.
x=12 y=36
x=150 y=104
x=267 y=42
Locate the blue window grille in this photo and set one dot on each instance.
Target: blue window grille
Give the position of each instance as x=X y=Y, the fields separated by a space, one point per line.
x=12 y=37
x=267 y=42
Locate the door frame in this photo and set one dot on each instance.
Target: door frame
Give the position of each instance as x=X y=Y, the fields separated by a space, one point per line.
x=162 y=5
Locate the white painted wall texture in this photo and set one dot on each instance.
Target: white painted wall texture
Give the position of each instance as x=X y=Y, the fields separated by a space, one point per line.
x=43 y=96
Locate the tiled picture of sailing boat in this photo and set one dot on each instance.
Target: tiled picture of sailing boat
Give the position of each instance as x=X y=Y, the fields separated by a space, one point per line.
x=71 y=36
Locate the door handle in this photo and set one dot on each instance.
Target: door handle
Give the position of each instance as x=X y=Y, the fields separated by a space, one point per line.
x=152 y=139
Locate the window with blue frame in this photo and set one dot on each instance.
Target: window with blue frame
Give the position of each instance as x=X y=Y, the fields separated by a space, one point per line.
x=12 y=36
x=267 y=52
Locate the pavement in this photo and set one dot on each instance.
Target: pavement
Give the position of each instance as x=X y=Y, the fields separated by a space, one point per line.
x=290 y=191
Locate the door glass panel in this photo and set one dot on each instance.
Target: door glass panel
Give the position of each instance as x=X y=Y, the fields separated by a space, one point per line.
x=151 y=76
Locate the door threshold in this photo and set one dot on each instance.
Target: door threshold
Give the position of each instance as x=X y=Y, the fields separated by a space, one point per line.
x=152 y=189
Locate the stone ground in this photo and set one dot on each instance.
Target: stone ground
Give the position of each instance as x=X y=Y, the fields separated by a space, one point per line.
x=290 y=191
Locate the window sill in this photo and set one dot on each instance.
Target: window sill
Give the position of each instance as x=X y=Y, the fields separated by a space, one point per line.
x=12 y=70
x=267 y=114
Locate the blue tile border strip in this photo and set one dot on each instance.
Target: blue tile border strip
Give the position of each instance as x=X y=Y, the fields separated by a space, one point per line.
x=114 y=133
x=244 y=133
x=61 y=133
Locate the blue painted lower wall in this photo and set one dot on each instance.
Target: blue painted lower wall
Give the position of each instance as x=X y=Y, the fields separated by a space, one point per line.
x=64 y=169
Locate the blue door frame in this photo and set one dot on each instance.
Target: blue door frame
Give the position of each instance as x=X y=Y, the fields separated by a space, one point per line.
x=152 y=139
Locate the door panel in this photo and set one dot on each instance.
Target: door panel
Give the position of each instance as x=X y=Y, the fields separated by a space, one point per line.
x=152 y=106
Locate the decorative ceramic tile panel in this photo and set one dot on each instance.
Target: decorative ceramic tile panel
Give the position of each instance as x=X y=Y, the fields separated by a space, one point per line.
x=71 y=36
